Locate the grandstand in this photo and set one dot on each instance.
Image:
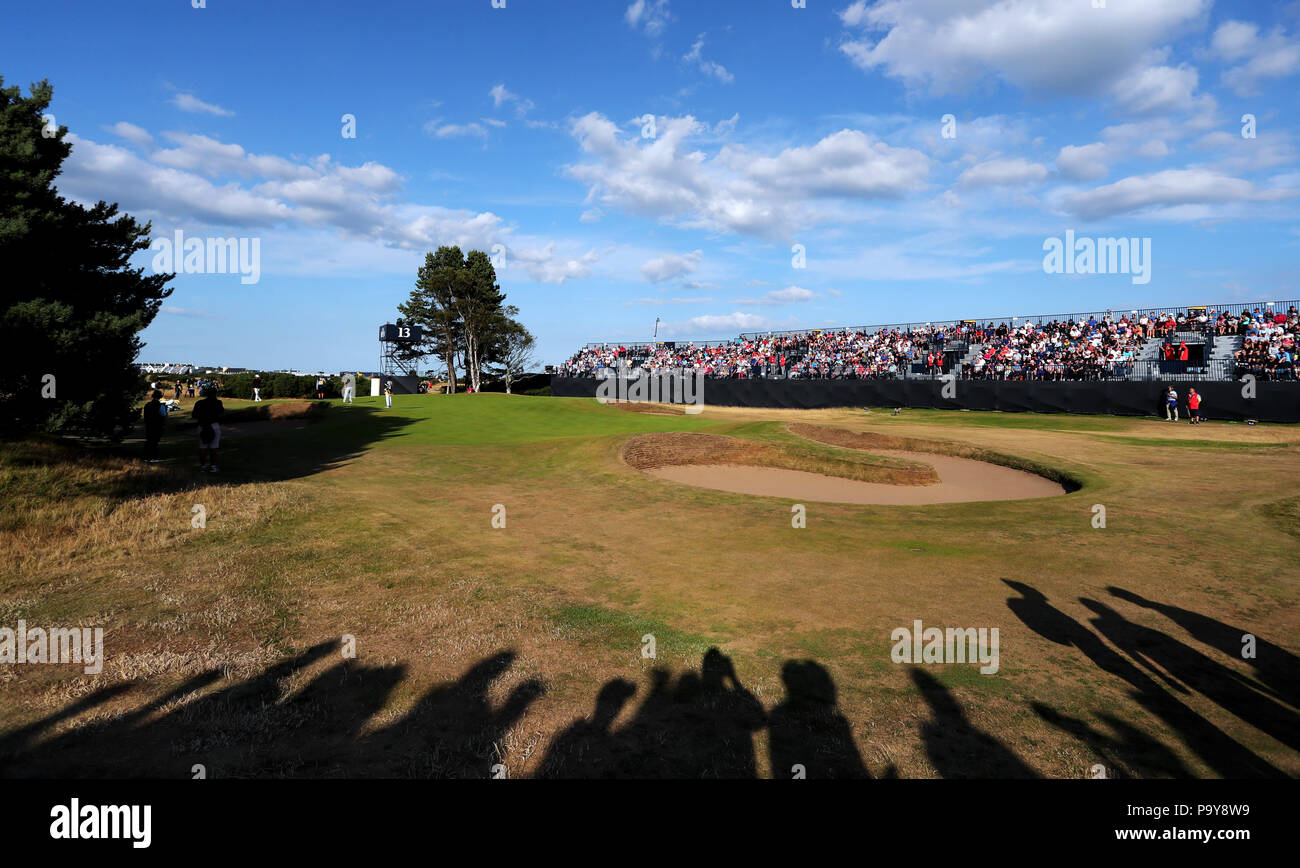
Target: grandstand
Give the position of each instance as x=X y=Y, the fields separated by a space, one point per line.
x=1194 y=342
x=166 y=368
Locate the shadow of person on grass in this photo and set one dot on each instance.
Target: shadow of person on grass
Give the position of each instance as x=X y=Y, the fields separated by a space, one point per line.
x=1159 y=654
x=1277 y=668
x=453 y=731
x=807 y=729
x=305 y=716
x=1129 y=746
x=1220 y=752
x=588 y=748
x=700 y=727
x=956 y=747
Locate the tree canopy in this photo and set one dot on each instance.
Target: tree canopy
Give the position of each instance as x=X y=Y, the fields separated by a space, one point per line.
x=73 y=307
x=463 y=311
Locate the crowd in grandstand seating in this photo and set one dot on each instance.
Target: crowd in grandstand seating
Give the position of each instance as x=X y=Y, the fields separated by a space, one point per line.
x=1270 y=345
x=818 y=354
x=1088 y=348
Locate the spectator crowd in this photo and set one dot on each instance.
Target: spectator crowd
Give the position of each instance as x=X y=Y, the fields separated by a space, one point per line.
x=1269 y=344
x=1091 y=347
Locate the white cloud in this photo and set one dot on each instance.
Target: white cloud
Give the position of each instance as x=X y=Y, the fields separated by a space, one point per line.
x=356 y=201
x=213 y=158
x=188 y=102
x=1234 y=39
x=652 y=16
x=544 y=265
x=1152 y=89
x=1004 y=172
x=711 y=324
x=726 y=127
x=846 y=163
x=736 y=189
x=439 y=130
x=172 y=310
x=1154 y=148
x=132 y=133
x=1084 y=162
x=708 y=67
x=1036 y=45
x=655 y=302
x=501 y=95
x=671 y=265
x=1167 y=189
x=1276 y=55
x=789 y=295
x=855 y=15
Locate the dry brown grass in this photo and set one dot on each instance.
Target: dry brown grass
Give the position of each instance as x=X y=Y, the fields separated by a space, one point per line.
x=62 y=505
x=651 y=408
x=875 y=440
x=594 y=557
x=649 y=451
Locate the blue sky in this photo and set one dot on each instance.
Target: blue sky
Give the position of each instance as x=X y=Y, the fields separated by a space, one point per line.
x=774 y=126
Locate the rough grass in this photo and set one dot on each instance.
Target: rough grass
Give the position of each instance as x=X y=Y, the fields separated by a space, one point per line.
x=62 y=505
x=662 y=450
x=876 y=440
x=479 y=643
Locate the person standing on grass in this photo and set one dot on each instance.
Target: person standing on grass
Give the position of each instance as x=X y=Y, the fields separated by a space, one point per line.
x=1171 y=405
x=257 y=387
x=320 y=387
x=155 y=415
x=207 y=412
x=349 y=383
x=388 y=393
x=1194 y=407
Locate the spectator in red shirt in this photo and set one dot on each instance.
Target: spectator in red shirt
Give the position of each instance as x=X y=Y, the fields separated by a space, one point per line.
x=1194 y=406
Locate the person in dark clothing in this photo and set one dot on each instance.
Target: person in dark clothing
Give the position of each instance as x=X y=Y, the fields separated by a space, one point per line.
x=207 y=412
x=155 y=415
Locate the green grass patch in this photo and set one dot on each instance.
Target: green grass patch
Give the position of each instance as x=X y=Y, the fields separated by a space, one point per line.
x=623 y=630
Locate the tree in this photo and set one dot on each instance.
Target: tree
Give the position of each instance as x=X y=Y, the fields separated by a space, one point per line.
x=457 y=300
x=479 y=306
x=430 y=306
x=73 y=307
x=517 y=352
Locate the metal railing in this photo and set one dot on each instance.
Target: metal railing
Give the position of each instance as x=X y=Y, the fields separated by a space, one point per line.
x=1136 y=370
x=979 y=322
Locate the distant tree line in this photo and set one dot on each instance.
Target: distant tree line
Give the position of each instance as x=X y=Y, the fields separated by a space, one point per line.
x=281 y=385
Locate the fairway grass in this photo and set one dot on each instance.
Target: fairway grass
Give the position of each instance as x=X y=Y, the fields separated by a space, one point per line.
x=478 y=644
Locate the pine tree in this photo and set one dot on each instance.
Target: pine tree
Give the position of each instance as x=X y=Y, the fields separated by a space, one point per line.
x=73 y=307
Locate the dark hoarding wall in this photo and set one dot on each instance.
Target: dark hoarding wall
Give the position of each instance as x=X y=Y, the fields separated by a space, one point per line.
x=1272 y=402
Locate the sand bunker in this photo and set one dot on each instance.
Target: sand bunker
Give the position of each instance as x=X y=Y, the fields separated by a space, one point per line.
x=960 y=480
x=890 y=476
